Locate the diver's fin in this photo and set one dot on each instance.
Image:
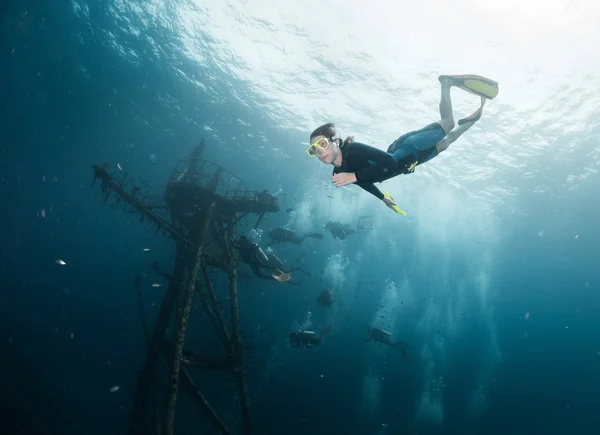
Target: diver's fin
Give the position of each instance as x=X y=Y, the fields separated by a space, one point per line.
x=474 y=117
x=303 y=271
x=395 y=207
x=282 y=277
x=474 y=84
x=404 y=344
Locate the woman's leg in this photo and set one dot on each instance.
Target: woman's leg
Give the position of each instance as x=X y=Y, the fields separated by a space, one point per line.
x=447 y=121
x=465 y=124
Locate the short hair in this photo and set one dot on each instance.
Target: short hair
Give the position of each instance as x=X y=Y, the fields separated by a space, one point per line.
x=327 y=130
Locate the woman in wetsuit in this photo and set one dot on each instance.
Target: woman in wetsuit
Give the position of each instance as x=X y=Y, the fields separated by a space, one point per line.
x=364 y=165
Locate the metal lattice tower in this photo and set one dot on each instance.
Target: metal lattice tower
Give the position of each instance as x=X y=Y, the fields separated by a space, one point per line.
x=205 y=202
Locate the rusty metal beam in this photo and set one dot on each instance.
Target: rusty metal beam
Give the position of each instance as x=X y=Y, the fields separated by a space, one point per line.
x=137 y=424
x=236 y=333
x=181 y=326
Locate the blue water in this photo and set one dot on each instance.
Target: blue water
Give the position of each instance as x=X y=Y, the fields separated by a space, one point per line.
x=492 y=277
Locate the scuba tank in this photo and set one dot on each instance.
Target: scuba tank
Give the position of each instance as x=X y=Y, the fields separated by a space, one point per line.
x=253 y=237
x=304 y=338
x=378 y=333
x=260 y=254
x=385 y=333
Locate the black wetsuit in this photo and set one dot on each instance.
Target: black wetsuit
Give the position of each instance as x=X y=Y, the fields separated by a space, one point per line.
x=372 y=165
x=251 y=254
x=257 y=259
x=304 y=338
x=369 y=164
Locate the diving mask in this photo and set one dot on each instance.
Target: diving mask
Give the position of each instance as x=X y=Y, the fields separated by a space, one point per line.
x=323 y=144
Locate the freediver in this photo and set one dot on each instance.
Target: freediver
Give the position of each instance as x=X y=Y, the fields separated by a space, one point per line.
x=380 y=336
x=301 y=338
x=282 y=235
x=364 y=165
x=252 y=254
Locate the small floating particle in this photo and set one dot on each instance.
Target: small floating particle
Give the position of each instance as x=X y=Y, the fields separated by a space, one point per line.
x=62 y=263
x=146 y=249
x=527 y=315
x=115 y=389
x=156 y=285
x=119 y=166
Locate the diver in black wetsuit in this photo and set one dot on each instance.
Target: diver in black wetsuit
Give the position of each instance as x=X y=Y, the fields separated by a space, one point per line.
x=302 y=338
x=341 y=231
x=326 y=298
x=283 y=235
x=384 y=337
x=364 y=165
x=257 y=259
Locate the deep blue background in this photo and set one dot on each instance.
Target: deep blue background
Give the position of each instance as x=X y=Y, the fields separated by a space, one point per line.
x=68 y=100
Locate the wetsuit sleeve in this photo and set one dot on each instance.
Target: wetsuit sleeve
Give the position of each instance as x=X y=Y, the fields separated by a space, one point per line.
x=258 y=273
x=384 y=163
x=372 y=189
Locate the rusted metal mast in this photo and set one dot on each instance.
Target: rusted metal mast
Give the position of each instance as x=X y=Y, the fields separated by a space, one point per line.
x=205 y=202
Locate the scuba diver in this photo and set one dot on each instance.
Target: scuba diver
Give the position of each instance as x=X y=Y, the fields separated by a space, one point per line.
x=257 y=259
x=326 y=298
x=300 y=338
x=340 y=230
x=364 y=165
x=281 y=235
x=265 y=198
x=384 y=337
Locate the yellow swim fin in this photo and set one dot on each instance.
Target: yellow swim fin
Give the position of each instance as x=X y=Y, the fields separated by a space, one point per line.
x=395 y=207
x=474 y=84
